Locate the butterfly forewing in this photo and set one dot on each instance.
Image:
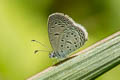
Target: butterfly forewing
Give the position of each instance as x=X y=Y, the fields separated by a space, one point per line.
x=56 y=27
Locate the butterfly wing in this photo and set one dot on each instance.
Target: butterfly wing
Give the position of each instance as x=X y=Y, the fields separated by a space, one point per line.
x=56 y=27
x=72 y=39
x=65 y=35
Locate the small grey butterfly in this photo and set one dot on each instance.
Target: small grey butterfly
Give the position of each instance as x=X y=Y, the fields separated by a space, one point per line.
x=65 y=35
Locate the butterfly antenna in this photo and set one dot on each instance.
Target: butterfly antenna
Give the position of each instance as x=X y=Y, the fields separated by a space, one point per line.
x=36 y=51
x=41 y=44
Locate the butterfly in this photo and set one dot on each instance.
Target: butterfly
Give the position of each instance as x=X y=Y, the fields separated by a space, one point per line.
x=65 y=35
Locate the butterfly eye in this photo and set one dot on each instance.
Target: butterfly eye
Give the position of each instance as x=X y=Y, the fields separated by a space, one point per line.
x=70 y=49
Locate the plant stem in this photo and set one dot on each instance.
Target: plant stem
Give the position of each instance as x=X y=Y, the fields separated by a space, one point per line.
x=87 y=64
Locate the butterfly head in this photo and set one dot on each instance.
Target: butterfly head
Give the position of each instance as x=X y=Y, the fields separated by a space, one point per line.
x=52 y=55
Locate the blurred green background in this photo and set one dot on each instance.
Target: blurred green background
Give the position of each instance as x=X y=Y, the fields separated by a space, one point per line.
x=24 y=20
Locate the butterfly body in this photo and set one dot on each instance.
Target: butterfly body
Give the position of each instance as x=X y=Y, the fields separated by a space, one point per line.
x=65 y=35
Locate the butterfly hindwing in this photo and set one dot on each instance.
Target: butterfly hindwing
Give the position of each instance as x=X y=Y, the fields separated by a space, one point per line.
x=71 y=40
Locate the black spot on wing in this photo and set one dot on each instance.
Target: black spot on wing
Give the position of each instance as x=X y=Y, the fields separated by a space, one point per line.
x=67 y=46
x=62 y=40
x=56 y=34
x=66 y=35
x=71 y=33
x=61 y=45
x=69 y=42
x=52 y=27
x=61 y=26
x=55 y=22
x=74 y=42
